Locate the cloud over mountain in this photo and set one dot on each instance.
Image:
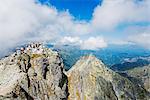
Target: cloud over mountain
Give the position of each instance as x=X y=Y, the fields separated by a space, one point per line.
x=141 y=39
x=91 y=43
x=27 y=20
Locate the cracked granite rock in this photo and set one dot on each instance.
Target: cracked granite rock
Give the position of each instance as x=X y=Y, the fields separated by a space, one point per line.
x=33 y=73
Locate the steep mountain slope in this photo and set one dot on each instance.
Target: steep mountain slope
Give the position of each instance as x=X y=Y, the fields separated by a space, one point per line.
x=90 y=79
x=33 y=73
x=142 y=74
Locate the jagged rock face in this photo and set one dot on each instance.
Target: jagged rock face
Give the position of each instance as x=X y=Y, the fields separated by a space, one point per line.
x=90 y=79
x=32 y=75
x=141 y=75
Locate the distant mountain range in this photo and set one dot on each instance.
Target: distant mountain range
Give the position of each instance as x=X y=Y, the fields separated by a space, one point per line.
x=117 y=57
x=131 y=63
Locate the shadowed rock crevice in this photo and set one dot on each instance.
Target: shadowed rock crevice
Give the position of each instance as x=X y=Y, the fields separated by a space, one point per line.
x=24 y=94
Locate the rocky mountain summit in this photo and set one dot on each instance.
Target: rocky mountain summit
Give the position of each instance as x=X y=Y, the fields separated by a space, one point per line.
x=35 y=72
x=90 y=79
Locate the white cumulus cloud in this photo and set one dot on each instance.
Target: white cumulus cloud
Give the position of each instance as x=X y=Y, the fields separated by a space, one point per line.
x=26 y=20
x=91 y=43
x=67 y=40
x=142 y=39
x=114 y=12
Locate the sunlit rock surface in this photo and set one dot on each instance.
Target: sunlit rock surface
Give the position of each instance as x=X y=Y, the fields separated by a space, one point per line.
x=90 y=79
x=33 y=73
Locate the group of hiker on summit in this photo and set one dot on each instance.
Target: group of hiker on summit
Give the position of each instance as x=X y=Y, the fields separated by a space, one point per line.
x=24 y=58
x=34 y=48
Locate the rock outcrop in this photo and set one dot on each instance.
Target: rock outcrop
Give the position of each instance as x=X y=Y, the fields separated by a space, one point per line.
x=90 y=79
x=33 y=73
x=141 y=75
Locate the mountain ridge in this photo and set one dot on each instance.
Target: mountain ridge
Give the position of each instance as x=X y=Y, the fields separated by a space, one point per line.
x=98 y=79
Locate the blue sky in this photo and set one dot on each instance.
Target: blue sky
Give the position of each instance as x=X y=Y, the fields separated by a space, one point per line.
x=80 y=9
